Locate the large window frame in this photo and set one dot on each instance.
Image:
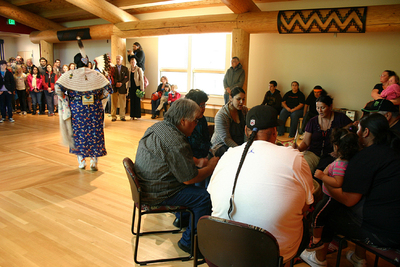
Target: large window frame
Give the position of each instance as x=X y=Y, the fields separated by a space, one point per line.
x=215 y=90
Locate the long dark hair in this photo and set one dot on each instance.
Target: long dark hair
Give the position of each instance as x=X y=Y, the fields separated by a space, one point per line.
x=346 y=141
x=246 y=149
x=379 y=127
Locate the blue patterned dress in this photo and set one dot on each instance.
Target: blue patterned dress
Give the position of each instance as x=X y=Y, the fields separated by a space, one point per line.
x=87 y=123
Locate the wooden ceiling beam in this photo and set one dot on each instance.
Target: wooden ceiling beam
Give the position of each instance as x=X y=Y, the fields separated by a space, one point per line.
x=250 y=22
x=104 y=10
x=27 y=18
x=25 y=2
x=241 y=6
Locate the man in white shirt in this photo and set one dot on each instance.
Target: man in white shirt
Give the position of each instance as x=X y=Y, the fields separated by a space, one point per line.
x=274 y=186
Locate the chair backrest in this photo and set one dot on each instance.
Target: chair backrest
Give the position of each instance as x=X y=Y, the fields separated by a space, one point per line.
x=133 y=180
x=229 y=243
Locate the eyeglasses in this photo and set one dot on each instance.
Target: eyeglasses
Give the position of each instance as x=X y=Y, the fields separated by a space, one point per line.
x=203 y=106
x=196 y=121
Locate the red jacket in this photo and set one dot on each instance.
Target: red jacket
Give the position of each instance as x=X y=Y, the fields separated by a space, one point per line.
x=39 y=84
x=172 y=96
x=45 y=81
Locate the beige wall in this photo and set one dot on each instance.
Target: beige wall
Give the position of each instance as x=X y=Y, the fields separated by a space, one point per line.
x=347 y=65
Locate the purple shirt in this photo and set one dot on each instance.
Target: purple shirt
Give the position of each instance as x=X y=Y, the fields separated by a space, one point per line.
x=320 y=140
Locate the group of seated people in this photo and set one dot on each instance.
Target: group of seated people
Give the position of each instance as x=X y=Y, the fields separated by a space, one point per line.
x=165 y=95
x=257 y=182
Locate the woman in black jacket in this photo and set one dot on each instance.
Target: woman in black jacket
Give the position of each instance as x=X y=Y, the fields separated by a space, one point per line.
x=7 y=88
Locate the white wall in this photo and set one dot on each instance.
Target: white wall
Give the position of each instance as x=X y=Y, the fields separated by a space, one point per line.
x=150 y=48
x=14 y=44
x=347 y=66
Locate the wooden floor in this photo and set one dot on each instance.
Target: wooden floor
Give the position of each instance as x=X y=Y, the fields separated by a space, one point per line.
x=54 y=214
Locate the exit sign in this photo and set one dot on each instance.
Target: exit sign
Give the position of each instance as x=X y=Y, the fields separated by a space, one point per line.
x=11 y=22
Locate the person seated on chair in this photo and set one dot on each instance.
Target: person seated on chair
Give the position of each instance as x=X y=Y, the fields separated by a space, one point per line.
x=164 y=98
x=229 y=123
x=370 y=194
x=387 y=109
x=273 y=97
x=316 y=145
x=292 y=106
x=173 y=95
x=166 y=168
x=272 y=187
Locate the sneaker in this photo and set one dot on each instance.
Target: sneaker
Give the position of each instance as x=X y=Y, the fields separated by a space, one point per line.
x=353 y=259
x=24 y=113
x=11 y=119
x=311 y=259
x=1 y=120
x=123 y=119
x=312 y=246
x=82 y=162
x=113 y=119
x=93 y=163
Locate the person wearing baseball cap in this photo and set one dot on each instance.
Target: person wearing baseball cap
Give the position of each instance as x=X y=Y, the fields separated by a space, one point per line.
x=387 y=109
x=272 y=186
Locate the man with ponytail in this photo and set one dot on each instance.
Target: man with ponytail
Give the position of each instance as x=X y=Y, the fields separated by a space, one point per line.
x=271 y=188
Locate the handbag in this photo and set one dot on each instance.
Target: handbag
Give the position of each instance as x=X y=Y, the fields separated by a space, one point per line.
x=155 y=96
x=140 y=93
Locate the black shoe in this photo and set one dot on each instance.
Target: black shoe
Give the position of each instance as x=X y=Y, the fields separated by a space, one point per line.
x=153 y=117
x=176 y=223
x=113 y=119
x=123 y=119
x=188 y=250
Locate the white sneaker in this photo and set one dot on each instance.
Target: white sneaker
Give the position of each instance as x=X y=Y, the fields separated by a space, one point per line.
x=24 y=113
x=1 y=120
x=351 y=257
x=93 y=163
x=311 y=259
x=82 y=162
x=11 y=119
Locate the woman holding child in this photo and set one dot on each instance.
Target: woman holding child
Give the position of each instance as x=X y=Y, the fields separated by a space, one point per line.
x=155 y=103
x=369 y=195
x=316 y=144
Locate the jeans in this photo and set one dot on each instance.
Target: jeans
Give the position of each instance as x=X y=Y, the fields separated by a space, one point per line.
x=36 y=98
x=294 y=119
x=154 y=106
x=198 y=200
x=49 y=101
x=6 y=104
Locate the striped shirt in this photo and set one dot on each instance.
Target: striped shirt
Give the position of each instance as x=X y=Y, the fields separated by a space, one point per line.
x=337 y=168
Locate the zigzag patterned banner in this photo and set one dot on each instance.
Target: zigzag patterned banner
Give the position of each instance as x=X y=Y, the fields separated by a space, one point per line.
x=333 y=20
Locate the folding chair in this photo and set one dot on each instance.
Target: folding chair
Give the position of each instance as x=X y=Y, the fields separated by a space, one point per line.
x=229 y=243
x=147 y=209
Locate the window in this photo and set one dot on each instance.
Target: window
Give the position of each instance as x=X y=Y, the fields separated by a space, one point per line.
x=196 y=61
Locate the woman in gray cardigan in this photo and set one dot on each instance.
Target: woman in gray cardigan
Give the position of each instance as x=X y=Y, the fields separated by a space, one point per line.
x=229 y=123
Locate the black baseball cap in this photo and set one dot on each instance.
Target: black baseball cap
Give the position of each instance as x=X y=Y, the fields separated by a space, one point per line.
x=262 y=117
x=380 y=105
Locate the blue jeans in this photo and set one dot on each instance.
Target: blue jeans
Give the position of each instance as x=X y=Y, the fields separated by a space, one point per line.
x=197 y=199
x=294 y=119
x=154 y=106
x=49 y=101
x=6 y=104
x=36 y=98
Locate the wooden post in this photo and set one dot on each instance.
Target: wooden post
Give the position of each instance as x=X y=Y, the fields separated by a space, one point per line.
x=118 y=47
x=240 y=49
x=47 y=51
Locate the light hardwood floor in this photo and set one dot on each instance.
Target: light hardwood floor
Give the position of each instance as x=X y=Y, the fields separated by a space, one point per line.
x=54 y=214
